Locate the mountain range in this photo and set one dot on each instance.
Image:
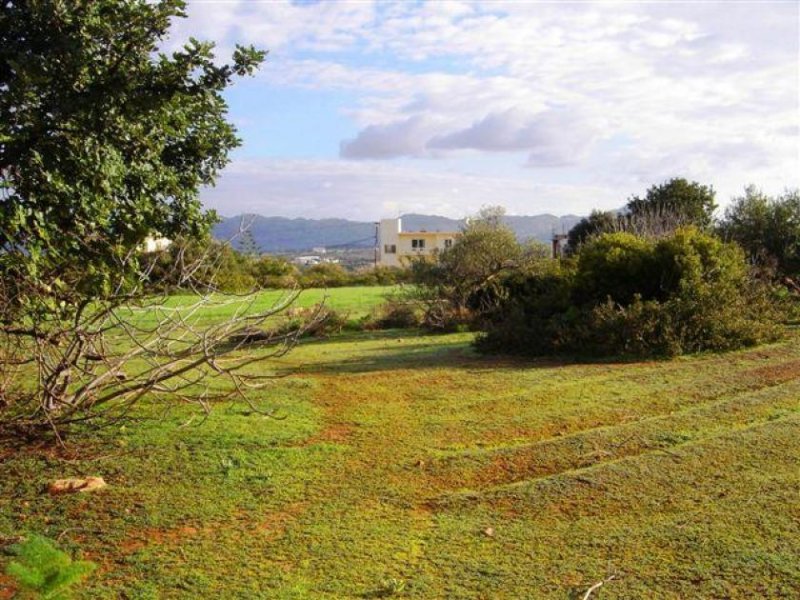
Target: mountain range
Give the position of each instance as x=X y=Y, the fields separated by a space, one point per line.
x=281 y=234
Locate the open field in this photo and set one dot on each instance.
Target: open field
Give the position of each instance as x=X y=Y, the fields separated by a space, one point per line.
x=409 y=466
x=353 y=302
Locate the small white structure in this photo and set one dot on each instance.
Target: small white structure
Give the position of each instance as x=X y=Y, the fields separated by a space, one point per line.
x=312 y=259
x=397 y=247
x=155 y=244
x=307 y=261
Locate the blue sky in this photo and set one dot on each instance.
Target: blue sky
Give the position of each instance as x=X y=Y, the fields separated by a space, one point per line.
x=369 y=109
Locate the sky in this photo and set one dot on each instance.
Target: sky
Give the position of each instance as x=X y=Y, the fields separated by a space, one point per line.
x=365 y=110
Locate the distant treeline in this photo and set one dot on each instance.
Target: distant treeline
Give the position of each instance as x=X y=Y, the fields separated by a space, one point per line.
x=230 y=270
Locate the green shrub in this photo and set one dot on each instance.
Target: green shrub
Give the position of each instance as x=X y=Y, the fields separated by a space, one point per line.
x=396 y=314
x=768 y=228
x=380 y=275
x=332 y=323
x=685 y=293
x=43 y=571
x=324 y=275
x=533 y=315
x=313 y=321
x=273 y=271
x=618 y=266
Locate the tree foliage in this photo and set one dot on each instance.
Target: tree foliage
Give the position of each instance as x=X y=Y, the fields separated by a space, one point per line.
x=626 y=294
x=768 y=228
x=105 y=141
x=461 y=283
x=675 y=201
x=664 y=208
x=596 y=223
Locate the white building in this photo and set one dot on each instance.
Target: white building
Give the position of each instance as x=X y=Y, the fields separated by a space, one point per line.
x=307 y=261
x=397 y=247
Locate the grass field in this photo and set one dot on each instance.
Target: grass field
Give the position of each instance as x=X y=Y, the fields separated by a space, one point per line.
x=408 y=466
x=354 y=302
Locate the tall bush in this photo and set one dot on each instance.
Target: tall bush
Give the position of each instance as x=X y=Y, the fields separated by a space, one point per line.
x=684 y=293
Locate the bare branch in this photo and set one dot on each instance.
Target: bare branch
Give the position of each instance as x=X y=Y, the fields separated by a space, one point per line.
x=97 y=358
x=597 y=586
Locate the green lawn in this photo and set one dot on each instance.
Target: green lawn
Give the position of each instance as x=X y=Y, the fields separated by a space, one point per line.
x=352 y=302
x=356 y=301
x=408 y=466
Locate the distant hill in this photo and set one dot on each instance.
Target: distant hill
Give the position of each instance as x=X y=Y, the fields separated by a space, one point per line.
x=280 y=234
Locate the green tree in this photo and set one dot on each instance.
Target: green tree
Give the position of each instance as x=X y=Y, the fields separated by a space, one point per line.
x=683 y=292
x=768 y=228
x=615 y=265
x=664 y=208
x=274 y=271
x=324 y=275
x=461 y=284
x=485 y=248
x=596 y=223
x=104 y=141
x=670 y=205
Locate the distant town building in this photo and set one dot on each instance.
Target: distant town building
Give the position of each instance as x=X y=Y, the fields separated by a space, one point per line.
x=319 y=250
x=397 y=247
x=306 y=260
x=312 y=259
x=559 y=243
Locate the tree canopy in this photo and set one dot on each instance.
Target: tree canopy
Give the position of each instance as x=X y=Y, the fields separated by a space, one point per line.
x=626 y=294
x=461 y=284
x=596 y=223
x=664 y=208
x=677 y=200
x=767 y=228
x=104 y=139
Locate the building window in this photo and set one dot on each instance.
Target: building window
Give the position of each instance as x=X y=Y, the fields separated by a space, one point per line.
x=389 y=249
x=448 y=243
x=418 y=244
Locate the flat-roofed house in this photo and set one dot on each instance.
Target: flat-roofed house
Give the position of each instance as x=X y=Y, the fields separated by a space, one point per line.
x=397 y=247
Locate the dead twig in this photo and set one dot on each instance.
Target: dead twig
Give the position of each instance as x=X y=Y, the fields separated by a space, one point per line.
x=94 y=360
x=597 y=586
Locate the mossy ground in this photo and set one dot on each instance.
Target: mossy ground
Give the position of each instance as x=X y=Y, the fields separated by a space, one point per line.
x=398 y=451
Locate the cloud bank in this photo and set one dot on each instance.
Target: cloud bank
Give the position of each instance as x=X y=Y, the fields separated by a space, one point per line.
x=601 y=99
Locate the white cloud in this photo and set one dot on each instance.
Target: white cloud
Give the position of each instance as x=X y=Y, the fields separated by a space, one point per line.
x=278 y=24
x=402 y=138
x=553 y=137
x=617 y=94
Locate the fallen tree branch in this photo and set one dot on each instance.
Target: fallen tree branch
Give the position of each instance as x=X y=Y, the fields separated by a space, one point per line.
x=597 y=586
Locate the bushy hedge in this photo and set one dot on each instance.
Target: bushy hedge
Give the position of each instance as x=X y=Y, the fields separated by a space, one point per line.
x=326 y=275
x=624 y=294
